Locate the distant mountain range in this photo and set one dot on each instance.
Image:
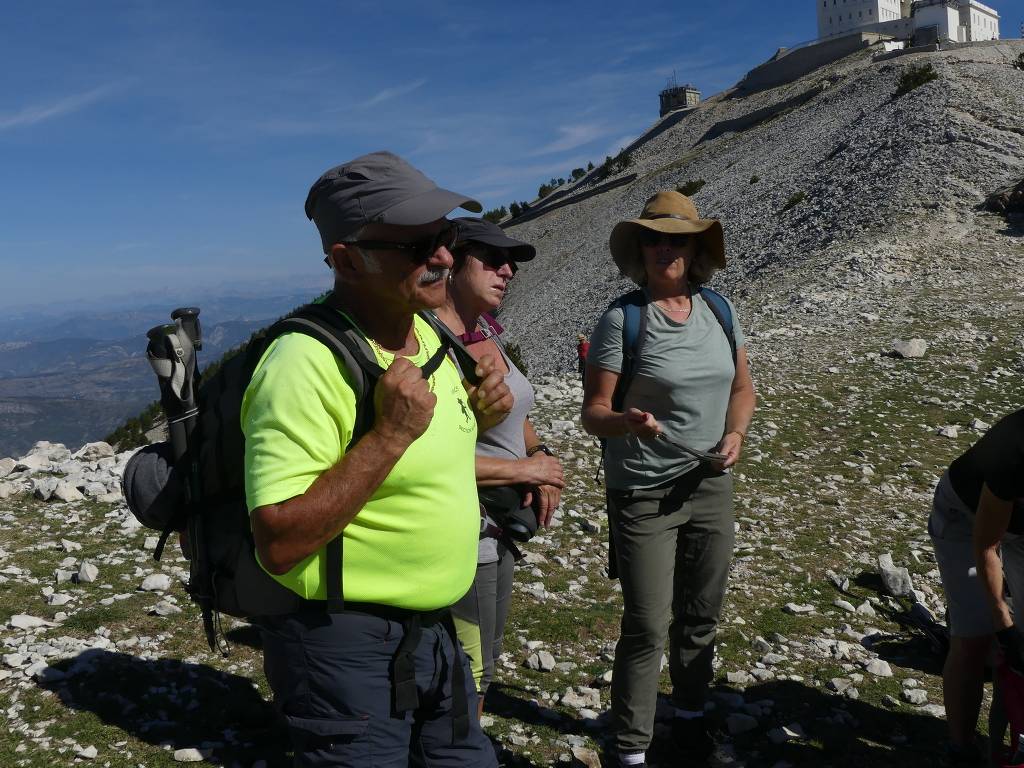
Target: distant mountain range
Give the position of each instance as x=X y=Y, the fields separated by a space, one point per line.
x=74 y=377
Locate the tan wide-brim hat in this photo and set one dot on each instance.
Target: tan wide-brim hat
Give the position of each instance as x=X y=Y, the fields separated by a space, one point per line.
x=673 y=213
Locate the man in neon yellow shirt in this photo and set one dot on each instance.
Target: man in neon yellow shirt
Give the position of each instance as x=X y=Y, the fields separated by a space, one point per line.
x=382 y=682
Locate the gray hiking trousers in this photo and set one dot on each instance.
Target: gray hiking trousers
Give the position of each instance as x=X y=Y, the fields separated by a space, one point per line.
x=673 y=547
x=485 y=607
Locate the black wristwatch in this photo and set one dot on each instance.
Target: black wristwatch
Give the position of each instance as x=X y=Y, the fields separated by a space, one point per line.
x=538 y=447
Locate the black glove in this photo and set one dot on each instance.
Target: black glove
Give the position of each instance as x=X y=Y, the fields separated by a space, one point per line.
x=1012 y=645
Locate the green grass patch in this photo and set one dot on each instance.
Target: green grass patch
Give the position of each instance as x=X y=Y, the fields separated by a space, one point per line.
x=915 y=77
x=794 y=200
x=691 y=187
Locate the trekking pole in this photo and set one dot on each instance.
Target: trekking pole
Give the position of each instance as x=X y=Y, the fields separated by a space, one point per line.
x=187 y=319
x=172 y=354
x=709 y=456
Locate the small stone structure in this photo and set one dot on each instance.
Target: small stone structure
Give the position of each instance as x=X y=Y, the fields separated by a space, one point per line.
x=678 y=97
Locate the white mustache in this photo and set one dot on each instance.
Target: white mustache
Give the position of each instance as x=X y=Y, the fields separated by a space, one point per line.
x=432 y=276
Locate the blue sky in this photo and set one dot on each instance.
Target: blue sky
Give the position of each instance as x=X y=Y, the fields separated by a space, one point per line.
x=146 y=143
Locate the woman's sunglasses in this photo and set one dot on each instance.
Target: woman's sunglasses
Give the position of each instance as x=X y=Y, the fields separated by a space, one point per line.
x=650 y=238
x=494 y=258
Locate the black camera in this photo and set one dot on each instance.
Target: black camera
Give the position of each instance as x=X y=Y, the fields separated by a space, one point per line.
x=504 y=504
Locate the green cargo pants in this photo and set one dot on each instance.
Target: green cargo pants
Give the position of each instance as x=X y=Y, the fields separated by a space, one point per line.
x=673 y=546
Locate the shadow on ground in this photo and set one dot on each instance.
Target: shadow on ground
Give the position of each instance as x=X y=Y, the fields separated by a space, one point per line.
x=248 y=635
x=841 y=733
x=166 y=701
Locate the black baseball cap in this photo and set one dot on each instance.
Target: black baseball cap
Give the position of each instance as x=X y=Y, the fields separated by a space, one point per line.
x=488 y=233
x=379 y=188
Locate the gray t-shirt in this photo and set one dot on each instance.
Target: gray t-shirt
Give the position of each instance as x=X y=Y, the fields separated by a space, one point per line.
x=505 y=440
x=684 y=378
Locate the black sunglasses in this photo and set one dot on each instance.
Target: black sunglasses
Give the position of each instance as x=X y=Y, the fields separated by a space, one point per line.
x=419 y=251
x=493 y=258
x=651 y=238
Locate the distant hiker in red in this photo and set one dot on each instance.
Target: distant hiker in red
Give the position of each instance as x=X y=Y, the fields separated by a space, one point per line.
x=582 y=348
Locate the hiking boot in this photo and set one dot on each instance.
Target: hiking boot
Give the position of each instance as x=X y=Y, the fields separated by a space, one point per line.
x=692 y=737
x=611 y=759
x=962 y=757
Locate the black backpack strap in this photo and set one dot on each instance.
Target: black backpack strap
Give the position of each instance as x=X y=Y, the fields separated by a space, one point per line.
x=465 y=362
x=723 y=314
x=334 y=331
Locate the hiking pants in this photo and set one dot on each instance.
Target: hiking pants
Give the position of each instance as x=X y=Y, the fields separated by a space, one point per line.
x=480 y=616
x=331 y=677
x=673 y=547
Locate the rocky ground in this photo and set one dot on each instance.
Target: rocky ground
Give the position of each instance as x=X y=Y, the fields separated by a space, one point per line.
x=103 y=658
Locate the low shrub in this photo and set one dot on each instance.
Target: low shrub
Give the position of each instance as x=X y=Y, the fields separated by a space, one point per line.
x=794 y=200
x=754 y=179
x=915 y=77
x=691 y=188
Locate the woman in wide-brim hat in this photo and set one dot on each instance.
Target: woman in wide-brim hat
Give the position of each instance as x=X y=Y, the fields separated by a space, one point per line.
x=519 y=480
x=670 y=512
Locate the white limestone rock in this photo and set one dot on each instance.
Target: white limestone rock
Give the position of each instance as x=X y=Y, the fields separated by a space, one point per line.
x=916 y=696
x=86 y=753
x=25 y=621
x=878 y=668
x=798 y=610
x=897 y=581
x=93 y=452
x=87 y=573
x=910 y=348
x=155 y=582
x=43 y=488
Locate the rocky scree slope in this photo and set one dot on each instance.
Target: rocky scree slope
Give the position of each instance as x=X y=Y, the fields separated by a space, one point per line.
x=869 y=165
x=102 y=658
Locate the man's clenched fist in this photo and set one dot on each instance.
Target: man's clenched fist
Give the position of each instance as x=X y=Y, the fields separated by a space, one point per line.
x=404 y=403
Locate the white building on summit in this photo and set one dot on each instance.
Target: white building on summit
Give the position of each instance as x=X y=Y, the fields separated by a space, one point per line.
x=959 y=21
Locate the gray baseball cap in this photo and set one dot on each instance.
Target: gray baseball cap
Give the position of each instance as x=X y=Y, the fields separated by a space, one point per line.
x=488 y=233
x=379 y=188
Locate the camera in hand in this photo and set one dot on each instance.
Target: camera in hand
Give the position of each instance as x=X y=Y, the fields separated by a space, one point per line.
x=504 y=503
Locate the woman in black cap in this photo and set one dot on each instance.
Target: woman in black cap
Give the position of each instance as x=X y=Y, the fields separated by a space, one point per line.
x=519 y=479
x=674 y=413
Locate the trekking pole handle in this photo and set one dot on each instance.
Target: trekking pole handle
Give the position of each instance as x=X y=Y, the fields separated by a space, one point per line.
x=161 y=348
x=188 y=317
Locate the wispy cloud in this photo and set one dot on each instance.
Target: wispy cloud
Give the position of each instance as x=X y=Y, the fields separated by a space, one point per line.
x=392 y=93
x=571 y=137
x=39 y=113
x=620 y=143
